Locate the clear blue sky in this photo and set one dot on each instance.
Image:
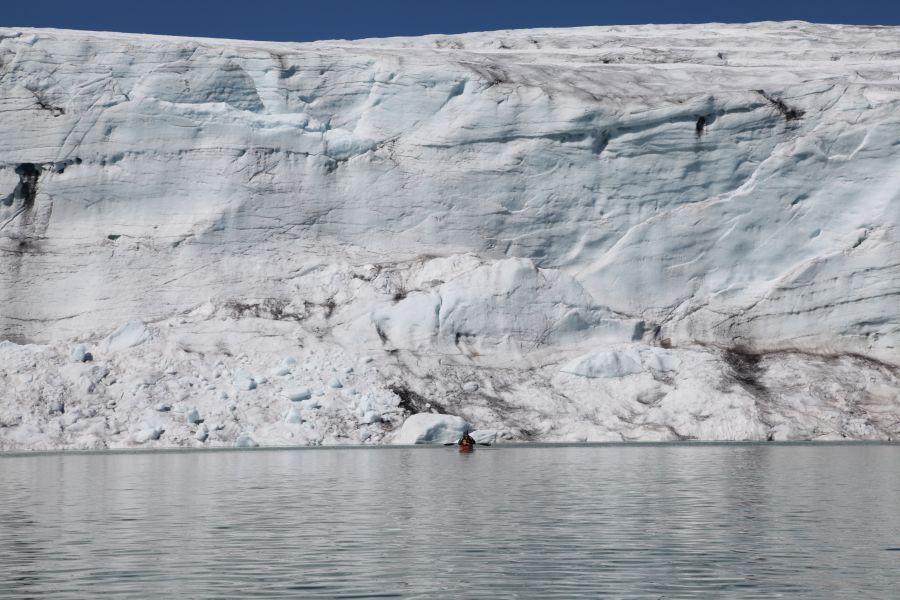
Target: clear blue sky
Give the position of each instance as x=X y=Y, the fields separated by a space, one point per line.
x=301 y=20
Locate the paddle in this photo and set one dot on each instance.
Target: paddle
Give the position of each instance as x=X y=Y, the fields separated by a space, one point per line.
x=466 y=435
x=476 y=443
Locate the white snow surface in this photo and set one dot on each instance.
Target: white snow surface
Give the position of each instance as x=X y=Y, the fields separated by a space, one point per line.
x=593 y=234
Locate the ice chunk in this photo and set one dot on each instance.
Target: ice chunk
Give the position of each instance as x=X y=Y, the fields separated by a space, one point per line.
x=310 y=404
x=612 y=363
x=470 y=386
x=289 y=362
x=202 y=433
x=484 y=436
x=80 y=354
x=371 y=417
x=97 y=373
x=299 y=395
x=618 y=363
x=293 y=416
x=335 y=383
x=430 y=428
x=658 y=359
x=243 y=380
x=148 y=434
x=280 y=371
x=163 y=407
x=193 y=416
x=127 y=336
x=245 y=441
x=365 y=405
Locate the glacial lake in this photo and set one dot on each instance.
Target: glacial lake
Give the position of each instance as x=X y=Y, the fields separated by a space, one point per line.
x=612 y=521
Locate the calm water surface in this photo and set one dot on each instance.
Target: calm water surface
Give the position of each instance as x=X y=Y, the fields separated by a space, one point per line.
x=668 y=521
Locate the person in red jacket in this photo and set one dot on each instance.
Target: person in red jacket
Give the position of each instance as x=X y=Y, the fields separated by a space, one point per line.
x=466 y=441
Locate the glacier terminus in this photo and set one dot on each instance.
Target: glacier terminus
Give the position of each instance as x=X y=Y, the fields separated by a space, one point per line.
x=634 y=233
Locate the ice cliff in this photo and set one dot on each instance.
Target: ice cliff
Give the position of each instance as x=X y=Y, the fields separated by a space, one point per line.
x=623 y=233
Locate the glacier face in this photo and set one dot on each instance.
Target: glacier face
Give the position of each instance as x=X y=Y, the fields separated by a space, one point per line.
x=654 y=232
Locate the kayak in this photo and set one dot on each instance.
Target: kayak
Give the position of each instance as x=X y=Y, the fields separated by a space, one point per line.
x=466 y=447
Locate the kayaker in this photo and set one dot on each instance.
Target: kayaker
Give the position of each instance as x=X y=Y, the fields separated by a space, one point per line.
x=467 y=440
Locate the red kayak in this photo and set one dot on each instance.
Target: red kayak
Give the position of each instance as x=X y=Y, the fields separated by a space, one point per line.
x=466 y=447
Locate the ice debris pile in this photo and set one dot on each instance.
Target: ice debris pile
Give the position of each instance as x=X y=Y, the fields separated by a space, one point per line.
x=624 y=233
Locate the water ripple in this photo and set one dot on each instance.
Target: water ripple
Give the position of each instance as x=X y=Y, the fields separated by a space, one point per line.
x=670 y=522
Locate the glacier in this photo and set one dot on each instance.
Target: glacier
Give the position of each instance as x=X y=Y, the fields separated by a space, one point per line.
x=591 y=234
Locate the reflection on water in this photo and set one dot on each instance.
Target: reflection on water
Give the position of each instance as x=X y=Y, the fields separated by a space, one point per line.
x=666 y=521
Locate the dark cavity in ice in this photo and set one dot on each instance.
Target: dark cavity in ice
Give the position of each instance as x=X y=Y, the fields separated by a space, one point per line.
x=789 y=114
x=26 y=190
x=746 y=369
x=413 y=403
x=701 y=125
